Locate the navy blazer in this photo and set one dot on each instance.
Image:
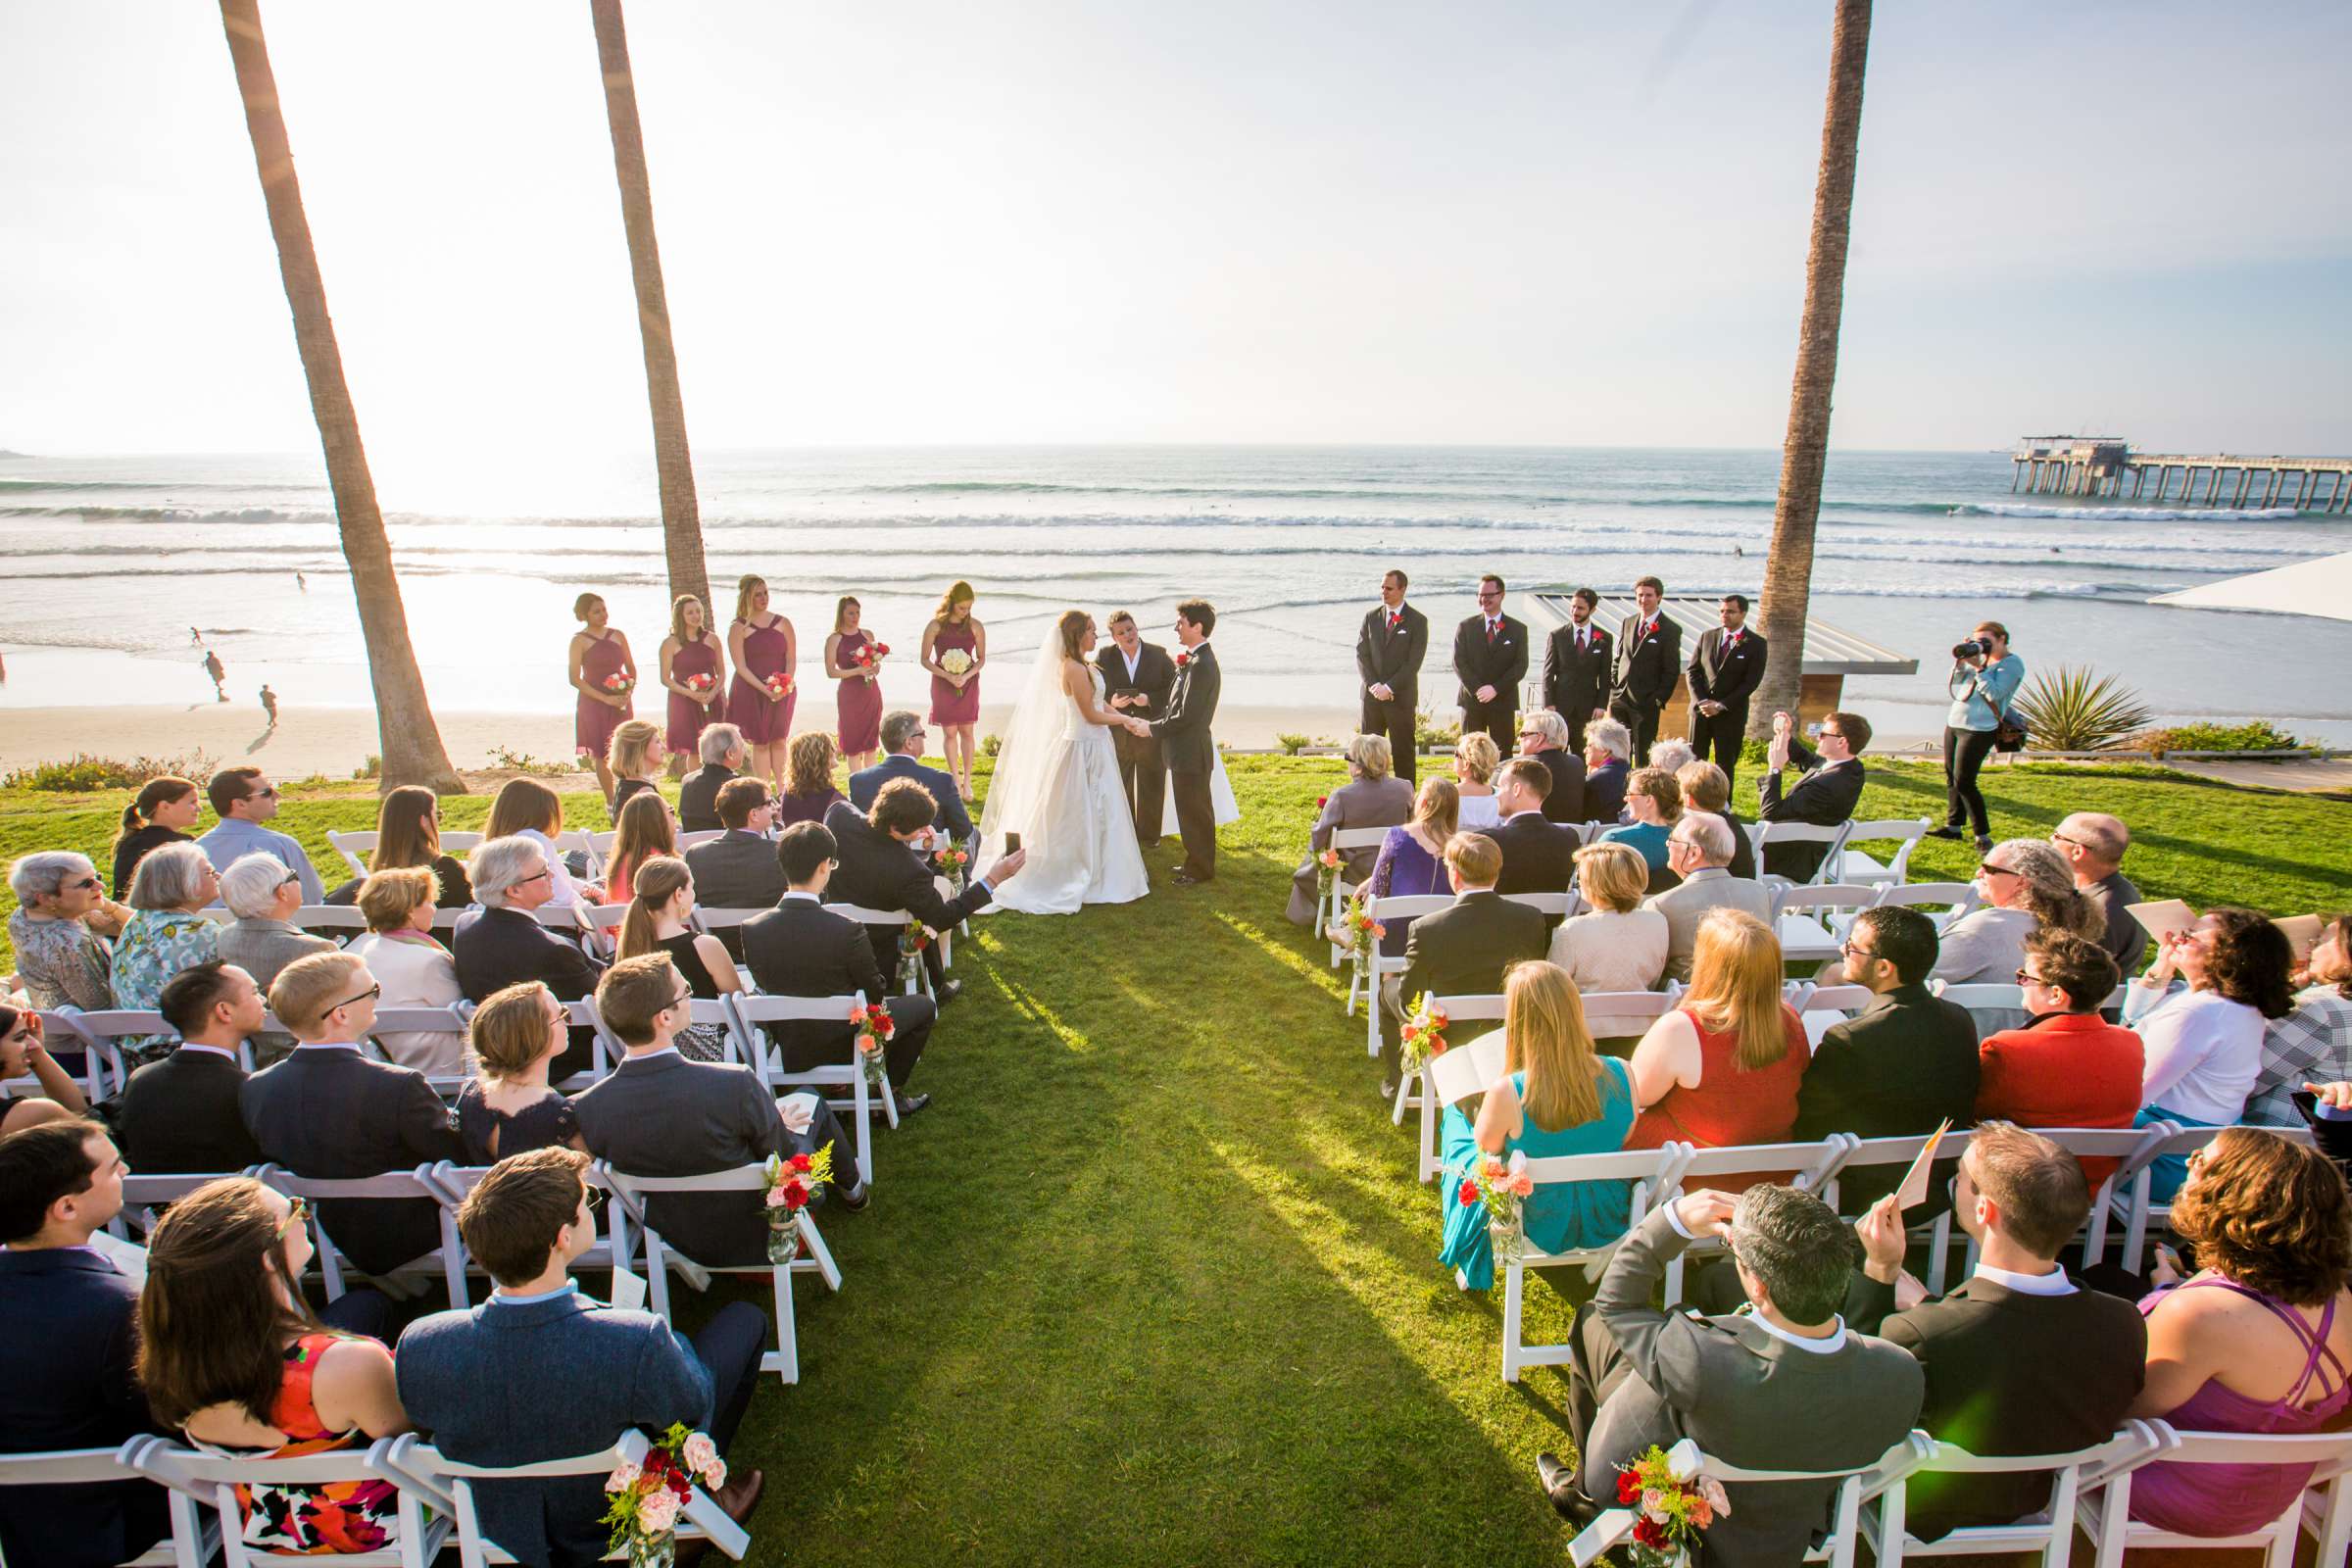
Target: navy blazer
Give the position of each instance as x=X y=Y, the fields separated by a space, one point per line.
x=66 y=1382
x=522 y=1384
x=951 y=818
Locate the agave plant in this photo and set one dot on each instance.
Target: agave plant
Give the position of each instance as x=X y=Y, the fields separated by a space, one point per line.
x=2078 y=709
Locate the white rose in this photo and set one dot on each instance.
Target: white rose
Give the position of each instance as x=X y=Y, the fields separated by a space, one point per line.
x=657 y=1514
x=624 y=1477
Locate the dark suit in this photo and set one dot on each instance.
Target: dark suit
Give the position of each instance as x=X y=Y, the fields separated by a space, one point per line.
x=878 y=872
x=1644 y=1375
x=1499 y=662
x=1728 y=675
x=511 y=1383
x=802 y=949
x=951 y=818
x=1576 y=681
x=499 y=947
x=1537 y=855
x=662 y=1115
x=1142 y=771
x=737 y=870
x=697 y=797
x=329 y=1112
x=1390 y=654
x=2008 y=1373
x=1893 y=1070
x=1192 y=753
x=1604 y=791
x=66 y=1382
x=1461 y=952
x=1564 y=802
x=1823 y=796
x=181 y=1115
x=1647 y=668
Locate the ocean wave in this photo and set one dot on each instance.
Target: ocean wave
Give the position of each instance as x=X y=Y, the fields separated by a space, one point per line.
x=2007 y=509
x=33 y=486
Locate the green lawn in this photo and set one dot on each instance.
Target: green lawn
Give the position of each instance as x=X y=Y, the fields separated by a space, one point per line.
x=1151 y=1282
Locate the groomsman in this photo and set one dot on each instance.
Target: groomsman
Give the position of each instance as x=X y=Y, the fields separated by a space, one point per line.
x=1726 y=667
x=1650 y=649
x=1138 y=679
x=1576 y=669
x=1389 y=651
x=1489 y=655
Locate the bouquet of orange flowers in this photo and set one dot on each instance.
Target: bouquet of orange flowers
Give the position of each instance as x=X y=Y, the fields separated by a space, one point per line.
x=1672 y=1503
x=1422 y=1039
x=913 y=938
x=950 y=861
x=793 y=1182
x=1357 y=931
x=873 y=1026
x=1327 y=874
x=1503 y=1187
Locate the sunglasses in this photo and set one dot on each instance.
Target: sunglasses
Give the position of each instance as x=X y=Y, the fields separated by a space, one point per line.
x=267 y=792
x=87 y=884
x=1990 y=870
x=298 y=1210
x=289 y=879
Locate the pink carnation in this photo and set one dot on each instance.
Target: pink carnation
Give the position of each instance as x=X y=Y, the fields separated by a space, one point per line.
x=624 y=1477
x=702 y=1458
x=657 y=1514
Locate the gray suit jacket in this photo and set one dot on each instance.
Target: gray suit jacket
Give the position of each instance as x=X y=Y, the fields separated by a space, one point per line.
x=511 y=1385
x=1687 y=903
x=737 y=870
x=1744 y=1397
x=1361 y=803
x=262 y=948
x=666 y=1116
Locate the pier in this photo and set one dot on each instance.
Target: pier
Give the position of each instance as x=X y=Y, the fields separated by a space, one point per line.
x=2094 y=466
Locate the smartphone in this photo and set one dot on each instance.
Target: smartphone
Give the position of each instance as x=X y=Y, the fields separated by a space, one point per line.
x=1813 y=730
x=1012 y=844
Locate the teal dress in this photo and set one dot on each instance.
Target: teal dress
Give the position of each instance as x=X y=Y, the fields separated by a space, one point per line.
x=1560 y=1215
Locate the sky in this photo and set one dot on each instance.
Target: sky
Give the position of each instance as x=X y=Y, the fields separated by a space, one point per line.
x=1509 y=222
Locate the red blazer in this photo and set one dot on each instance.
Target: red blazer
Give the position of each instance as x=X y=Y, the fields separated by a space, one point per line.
x=2064 y=1069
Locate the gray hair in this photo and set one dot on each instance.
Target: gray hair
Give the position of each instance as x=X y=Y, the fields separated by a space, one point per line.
x=40 y=874
x=498 y=865
x=249 y=887
x=1797 y=1250
x=899 y=727
x=1372 y=755
x=1618 y=741
x=1669 y=754
x=717 y=741
x=1709 y=834
x=170 y=877
x=1552 y=726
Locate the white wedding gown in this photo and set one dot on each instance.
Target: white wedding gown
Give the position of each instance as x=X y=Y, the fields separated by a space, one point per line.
x=1070 y=811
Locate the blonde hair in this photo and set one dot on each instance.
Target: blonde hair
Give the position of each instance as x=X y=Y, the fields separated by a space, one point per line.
x=390 y=895
x=745 y=586
x=658 y=882
x=307 y=989
x=1479 y=756
x=523 y=804
x=809 y=763
x=508 y=1030
x=1613 y=876
x=1438 y=808
x=1546 y=1035
x=1704 y=787
x=628 y=752
x=1735 y=986
x=959 y=592
x=1661 y=789
x=1371 y=755
x=1474 y=857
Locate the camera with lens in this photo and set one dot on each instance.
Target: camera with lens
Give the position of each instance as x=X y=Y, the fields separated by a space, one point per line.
x=1970 y=648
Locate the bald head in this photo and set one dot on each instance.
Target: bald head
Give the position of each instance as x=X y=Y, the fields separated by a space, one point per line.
x=2094 y=844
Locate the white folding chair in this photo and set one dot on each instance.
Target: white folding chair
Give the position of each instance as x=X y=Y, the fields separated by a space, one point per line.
x=579 y=841
x=448 y=1486
x=2051 y=1533
x=458 y=845
x=1854 y=867
x=355 y=847
x=391 y=1185
x=1806 y=918
x=1619 y=1014
x=1767 y=834
x=100 y=1039
x=785 y=1358
x=418 y=1021
x=604 y=1051
x=1855 y=1488
x=700 y=835
x=1651 y=1173
x=323 y=919
x=1380 y=965
x=1344 y=839
x=212 y=1481
x=2139 y=1209
x=1823 y=1008
x=452 y=1182
x=1954 y=899
x=2321 y=1507
x=1867 y=1151
x=1809 y=1166
x=1552 y=906
x=190 y=1544
x=1481 y=1064
x=746 y=1011
x=897 y=921
x=141 y=1195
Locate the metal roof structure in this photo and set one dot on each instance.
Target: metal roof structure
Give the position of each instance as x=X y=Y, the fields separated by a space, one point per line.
x=1829 y=651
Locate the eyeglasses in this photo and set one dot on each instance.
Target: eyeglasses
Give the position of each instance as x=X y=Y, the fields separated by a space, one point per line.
x=595 y=1199
x=368 y=995
x=1833 y=734
x=289 y=879
x=682 y=997
x=2027 y=977
x=2060 y=838
x=1846 y=950
x=540 y=875
x=298 y=1209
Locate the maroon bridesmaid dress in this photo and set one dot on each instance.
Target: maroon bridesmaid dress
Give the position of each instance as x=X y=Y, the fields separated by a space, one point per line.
x=861 y=700
x=687 y=719
x=947 y=705
x=761 y=721
x=593 y=722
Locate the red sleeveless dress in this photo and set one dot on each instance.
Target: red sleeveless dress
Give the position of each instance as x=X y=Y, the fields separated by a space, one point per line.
x=1730 y=1106
x=593 y=722
x=687 y=720
x=947 y=705
x=861 y=700
x=761 y=721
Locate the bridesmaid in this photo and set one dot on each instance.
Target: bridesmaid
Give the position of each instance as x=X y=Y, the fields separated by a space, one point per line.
x=599 y=654
x=691 y=648
x=761 y=646
x=955 y=696
x=860 y=686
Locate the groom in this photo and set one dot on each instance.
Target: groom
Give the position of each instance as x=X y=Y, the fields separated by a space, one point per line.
x=1183 y=732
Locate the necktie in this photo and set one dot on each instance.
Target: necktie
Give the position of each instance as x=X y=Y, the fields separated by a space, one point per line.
x=1394 y=618
x=1733 y=644
x=1490 y=631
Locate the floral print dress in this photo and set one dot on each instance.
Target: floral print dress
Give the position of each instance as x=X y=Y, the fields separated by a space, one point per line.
x=339 y=1516
x=156 y=945
x=64 y=963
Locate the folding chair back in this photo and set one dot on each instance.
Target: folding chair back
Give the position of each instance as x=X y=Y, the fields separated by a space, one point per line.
x=1557 y=906
x=1371 y=971
x=212 y=1481
x=1615 y=1014
x=1823 y=1008
x=1768 y=834
x=606 y=1049
x=1419 y=1086
x=328 y=919
x=101 y=1034
x=894 y=919
x=1952 y=898
x=1651 y=1173
x=418 y=1183
x=1854 y=866
x=448 y=1486
x=746 y=1011
x=1811 y=919
x=354 y=848
x=603 y=918
x=189 y=1545
x=2321 y=1507
x=2051 y=1533
x=700 y=835
x=1344 y=839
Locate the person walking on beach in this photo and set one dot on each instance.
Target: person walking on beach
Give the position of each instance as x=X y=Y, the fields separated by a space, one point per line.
x=269 y=704
x=302 y=582
x=1389 y=650
x=220 y=673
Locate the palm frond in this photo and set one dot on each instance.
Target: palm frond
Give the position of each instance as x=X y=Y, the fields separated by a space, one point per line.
x=2075 y=708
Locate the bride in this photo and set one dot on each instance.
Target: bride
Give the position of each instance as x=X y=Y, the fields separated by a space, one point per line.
x=1057 y=784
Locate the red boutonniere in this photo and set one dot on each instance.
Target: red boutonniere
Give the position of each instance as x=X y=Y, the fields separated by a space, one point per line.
x=1183 y=660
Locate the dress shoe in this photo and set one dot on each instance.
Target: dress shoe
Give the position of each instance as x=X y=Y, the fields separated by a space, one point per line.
x=950 y=992
x=1186 y=879
x=854 y=1201
x=1567 y=1501
x=736 y=1500
x=1387 y=1092
x=909 y=1104
x=1983 y=844
x=1944 y=833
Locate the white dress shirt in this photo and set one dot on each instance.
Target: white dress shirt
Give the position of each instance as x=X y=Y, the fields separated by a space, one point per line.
x=2204 y=1051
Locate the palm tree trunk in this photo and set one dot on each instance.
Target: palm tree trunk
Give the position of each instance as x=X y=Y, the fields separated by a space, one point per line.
x=1788 y=568
x=681 y=513
x=411 y=741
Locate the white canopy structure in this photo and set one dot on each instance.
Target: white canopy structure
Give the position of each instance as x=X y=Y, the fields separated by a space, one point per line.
x=2308 y=588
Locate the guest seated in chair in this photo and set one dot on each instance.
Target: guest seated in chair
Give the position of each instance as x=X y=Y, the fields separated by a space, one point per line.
x=1656 y=803
x=181 y=1115
x=1609 y=770
x=1723 y=1067
x=544 y=1371
x=879 y=869
x=1372 y=797
x=1705 y=789
x=1476 y=756
x=1538 y=856
x=903 y=738
x=2204 y=1043
x=1413 y=858
x=501 y=944
x=2069 y=1068
x=23 y=1051
x=1463 y=951
x=417 y=970
x=1615 y=945
x=721 y=748
x=660 y=919
x=1824 y=797
x=507 y=1107
x=1698 y=851
x=60 y=930
x=1543 y=736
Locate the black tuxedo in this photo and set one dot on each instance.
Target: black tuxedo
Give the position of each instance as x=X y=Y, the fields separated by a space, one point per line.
x=1824 y=797
x=1537 y=855
x=1564 y=802
x=697 y=797
x=1499 y=662
x=802 y=949
x=2008 y=1373
x=1576 y=682
x=1461 y=952
x=878 y=872
x=1893 y=1070
x=181 y=1115
x=1728 y=675
x=1192 y=753
x=329 y=1112
x=499 y=947
x=1142 y=770
x=1390 y=656
x=1647 y=668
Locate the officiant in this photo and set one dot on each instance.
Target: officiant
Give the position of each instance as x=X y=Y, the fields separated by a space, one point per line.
x=1137 y=679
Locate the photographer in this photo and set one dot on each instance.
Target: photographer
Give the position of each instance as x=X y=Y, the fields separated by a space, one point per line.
x=1984 y=679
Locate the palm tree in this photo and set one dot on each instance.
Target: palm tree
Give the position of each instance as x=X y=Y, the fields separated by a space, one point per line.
x=411 y=741
x=681 y=515
x=1789 y=569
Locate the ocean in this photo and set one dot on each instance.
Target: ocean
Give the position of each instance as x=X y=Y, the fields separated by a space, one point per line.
x=106 y=564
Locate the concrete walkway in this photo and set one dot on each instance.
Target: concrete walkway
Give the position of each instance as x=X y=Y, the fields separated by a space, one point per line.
x=2303 y=777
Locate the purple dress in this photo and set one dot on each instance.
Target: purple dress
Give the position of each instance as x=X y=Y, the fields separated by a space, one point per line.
x=1404 y=869
x=593 y=722
x=688 y=718
x=2227 y=1499
x=762 y=722
x=861 y=700
x=791 y=808
x=947 y=705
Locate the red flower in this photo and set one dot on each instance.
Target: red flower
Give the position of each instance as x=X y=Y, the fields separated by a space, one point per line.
x=679 y=1484
x=1321 y=800
x=1183 y=660
x=880 y=649
x=1628 y=1486
x=1648 y=1532
x=802 y=1162
x=1469 y=1193
x=796 y=1196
